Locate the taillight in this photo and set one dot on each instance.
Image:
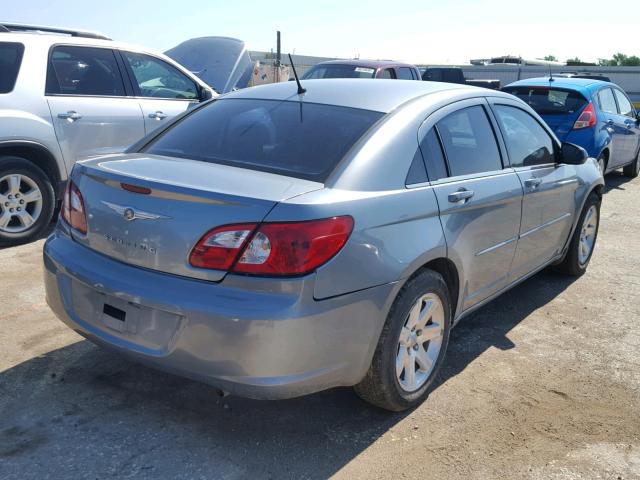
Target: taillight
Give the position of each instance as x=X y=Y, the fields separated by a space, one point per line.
x=73 y=208
x=587 y=118
x=220 y=247
x=279 y=249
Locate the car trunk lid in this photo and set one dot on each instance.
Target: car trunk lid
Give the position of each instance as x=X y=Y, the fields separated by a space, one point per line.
x=180 y=201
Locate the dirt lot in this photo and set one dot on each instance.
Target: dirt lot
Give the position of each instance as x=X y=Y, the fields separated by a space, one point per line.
x=542 y=383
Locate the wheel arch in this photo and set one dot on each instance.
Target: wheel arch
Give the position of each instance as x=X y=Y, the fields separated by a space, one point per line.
x=40 y=156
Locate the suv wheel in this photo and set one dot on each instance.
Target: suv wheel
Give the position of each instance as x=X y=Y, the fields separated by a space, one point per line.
x=583 y=240
x=411 y=347
x=633 y=169
x=26 y=201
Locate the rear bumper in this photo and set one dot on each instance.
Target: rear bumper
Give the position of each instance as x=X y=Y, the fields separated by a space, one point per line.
x=260 y=338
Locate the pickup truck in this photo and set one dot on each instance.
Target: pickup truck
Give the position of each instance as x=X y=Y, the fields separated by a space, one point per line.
x=455 y=75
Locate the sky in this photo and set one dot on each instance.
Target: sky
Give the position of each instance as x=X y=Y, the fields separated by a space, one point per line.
x=417 y=31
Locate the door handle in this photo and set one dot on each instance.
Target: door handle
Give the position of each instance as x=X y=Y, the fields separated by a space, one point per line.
x=71 y=115
x=461 y=195
x=158 y=115
x=630 y=123
x=610 y=121
x=532 y=182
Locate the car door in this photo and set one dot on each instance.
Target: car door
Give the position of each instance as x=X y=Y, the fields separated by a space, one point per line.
x=163 y=90
x=615 y=125
x=88 y=101
x=549 y=202
x=631 y=132
x=478 y=196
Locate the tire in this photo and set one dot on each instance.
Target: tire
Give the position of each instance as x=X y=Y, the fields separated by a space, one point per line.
x=32 y=194
x=576 y=262
x=632 y=169
x=602 y=163
x=382 y=386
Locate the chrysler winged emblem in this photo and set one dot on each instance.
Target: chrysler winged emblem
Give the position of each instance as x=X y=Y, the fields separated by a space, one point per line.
x=130 y=213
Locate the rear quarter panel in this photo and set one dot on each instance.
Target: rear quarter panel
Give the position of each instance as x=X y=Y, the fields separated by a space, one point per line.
x=395 y=232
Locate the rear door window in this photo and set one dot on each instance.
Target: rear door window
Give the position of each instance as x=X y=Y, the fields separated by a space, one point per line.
x=155 y=78
x=83 y=71
x=388 y=73
x=404 y=73
x=469 y=142
x=433 y=156
x=10 y=60
x=417 y=172
x=338 y=71
x=624 y=105
x=302 y=140
x=527 y=142
x=607 y=101
x=549 y=101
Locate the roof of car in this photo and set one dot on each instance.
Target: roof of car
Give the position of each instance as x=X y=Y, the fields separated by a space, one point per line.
x=366 y=63
x=559 y=82
x=368 y=94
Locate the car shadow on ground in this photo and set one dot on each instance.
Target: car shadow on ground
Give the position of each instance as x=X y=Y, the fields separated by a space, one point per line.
x=615 y=181
x=116 y=416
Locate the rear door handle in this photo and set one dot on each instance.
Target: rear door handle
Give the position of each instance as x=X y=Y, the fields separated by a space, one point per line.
x=532 y=182
x=158 y=115
x=460 y=196
x=71 y=115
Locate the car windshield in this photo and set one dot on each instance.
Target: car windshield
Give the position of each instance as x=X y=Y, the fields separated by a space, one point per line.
x=302 y=140
x=549 y=100
x=339 y=71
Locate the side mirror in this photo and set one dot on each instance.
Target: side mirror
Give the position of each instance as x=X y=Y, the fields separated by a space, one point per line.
x=205 y=94
x=573 y=154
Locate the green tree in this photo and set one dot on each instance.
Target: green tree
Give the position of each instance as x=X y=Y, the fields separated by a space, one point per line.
x=550 y=58
x=621 y=60
x=574 y=60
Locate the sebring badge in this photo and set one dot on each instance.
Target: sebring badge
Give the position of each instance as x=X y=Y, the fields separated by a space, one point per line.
x=130 y=214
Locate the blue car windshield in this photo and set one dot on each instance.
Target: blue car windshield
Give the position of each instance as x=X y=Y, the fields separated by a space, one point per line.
x=297 y=139
x=548 y=101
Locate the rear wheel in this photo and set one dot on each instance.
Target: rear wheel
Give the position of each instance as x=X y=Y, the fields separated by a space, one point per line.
x=633 y=169
x=583 y=240
x=411 y=347
x=26 y=200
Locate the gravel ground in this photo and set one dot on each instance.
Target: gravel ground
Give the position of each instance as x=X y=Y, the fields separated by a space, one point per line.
x=543 y=383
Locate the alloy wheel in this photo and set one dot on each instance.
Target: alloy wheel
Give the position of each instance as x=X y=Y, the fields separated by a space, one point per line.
x=20 y=203
x=420 y=342
x=588 y=235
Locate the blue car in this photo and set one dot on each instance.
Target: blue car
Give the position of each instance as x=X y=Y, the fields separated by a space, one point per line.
x=594 y=114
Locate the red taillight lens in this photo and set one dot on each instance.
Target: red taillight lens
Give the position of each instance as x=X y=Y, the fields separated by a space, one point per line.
x=294 y=248
x=587 y=118
x=279 y=249
x=220 y=247
x=73 y=208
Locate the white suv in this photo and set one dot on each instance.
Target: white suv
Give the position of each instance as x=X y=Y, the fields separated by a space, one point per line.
x=65 y=95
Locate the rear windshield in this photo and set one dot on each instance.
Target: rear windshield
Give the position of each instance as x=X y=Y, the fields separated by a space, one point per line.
x=10 y=59
x=339 y=71
x=302 y=140
x=549 y=100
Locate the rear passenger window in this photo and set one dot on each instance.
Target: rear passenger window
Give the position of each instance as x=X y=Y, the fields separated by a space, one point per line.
x=527 y=142
x=404 y=73
x=433 y=156
x=623 y=103
x=607 y=102
x=417 y=172
x=83 y=71
x=10 y=59
x=388 y=73
x=469 y=142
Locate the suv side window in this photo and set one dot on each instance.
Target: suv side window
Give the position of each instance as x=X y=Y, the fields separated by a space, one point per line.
x=405 y=73
x=90 y=71
x=469 y=142
x=623 y=103
x=607 y=101
x=433 y=156
x=527 y=142
x=10 y=60
x=388 y=73
x=157 y=79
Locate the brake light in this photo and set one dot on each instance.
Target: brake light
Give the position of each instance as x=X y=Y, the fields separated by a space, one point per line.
x=278 y=249
x=587 y=118
x=73 y=208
